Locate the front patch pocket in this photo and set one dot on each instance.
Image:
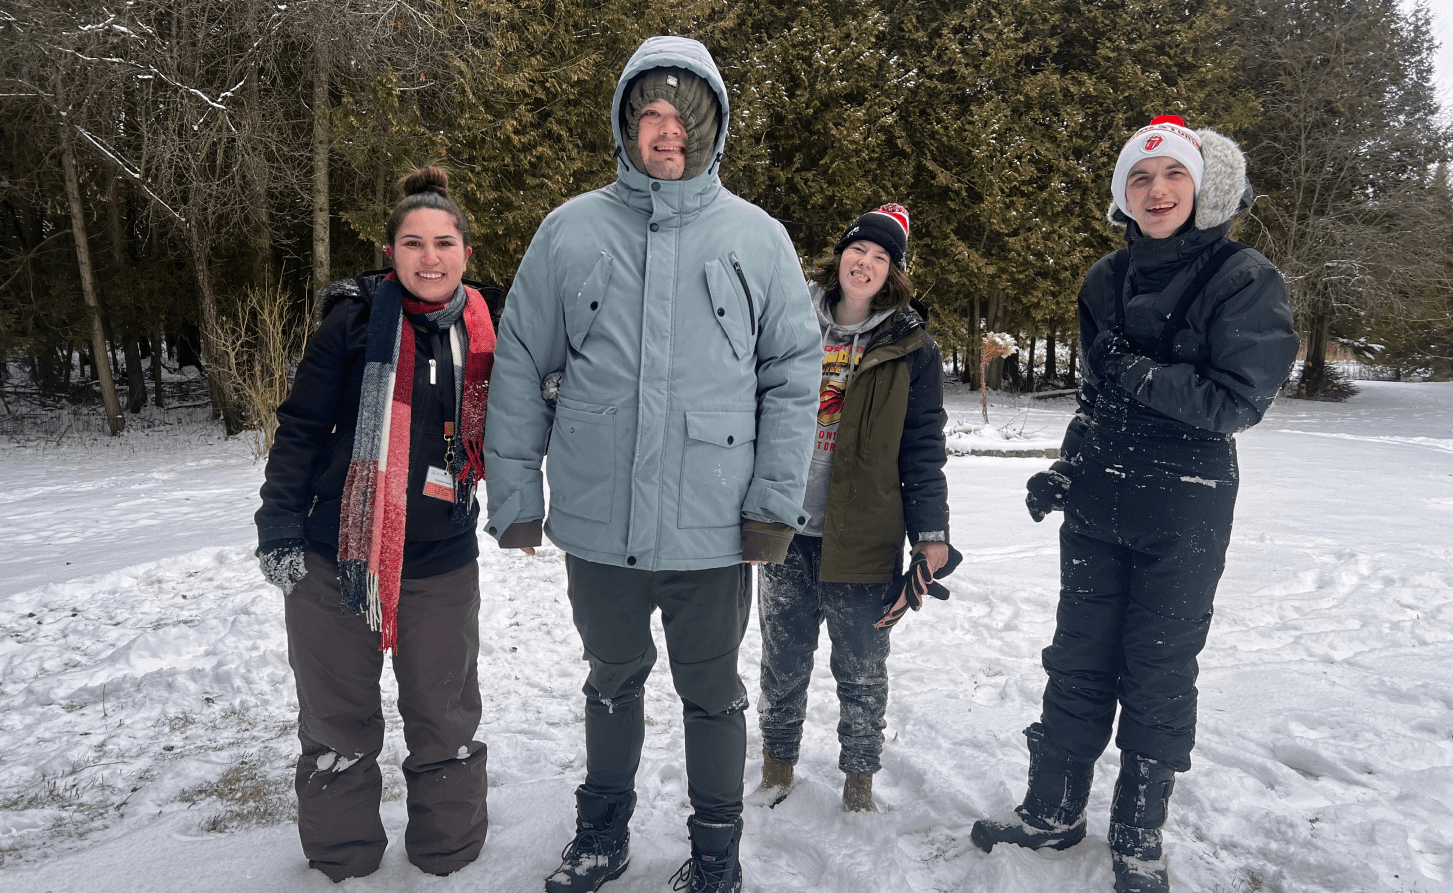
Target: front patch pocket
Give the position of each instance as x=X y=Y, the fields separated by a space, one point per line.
x=716 y=468
x=581 y=463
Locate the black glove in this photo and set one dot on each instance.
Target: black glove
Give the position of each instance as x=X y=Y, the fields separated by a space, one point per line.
x=1048 y=490
x=1109 y=354
x=282 y=562
x=917 y=583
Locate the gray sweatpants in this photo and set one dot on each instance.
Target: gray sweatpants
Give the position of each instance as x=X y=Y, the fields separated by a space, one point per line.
x=337 y=666
x=704 y=614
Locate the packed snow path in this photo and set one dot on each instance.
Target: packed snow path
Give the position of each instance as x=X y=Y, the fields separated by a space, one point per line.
x=147 y=708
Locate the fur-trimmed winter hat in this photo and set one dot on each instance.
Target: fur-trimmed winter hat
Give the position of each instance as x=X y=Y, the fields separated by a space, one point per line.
x=887 y=226
x=694 y=101
x=1215 y=162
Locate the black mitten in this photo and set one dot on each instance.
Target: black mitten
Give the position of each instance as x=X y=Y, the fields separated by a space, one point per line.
x=282 y=562
x=1048 y=490
x=1109 y=354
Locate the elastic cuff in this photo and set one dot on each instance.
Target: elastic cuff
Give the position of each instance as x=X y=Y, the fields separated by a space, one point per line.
x=522 y=534
x=765 y=541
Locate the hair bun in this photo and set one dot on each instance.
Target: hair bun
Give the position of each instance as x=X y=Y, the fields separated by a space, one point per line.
x=427 y=179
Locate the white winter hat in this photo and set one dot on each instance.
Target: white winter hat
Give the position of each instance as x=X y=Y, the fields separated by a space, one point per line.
x=1165 y=135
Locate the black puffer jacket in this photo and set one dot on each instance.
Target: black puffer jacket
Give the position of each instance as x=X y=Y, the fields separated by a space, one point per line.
x=308 y=464
x=1238 y=344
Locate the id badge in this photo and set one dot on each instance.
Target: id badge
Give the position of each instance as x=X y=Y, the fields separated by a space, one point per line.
x=439 y=484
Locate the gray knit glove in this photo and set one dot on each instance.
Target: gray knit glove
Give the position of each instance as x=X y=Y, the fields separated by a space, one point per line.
x=282 y=562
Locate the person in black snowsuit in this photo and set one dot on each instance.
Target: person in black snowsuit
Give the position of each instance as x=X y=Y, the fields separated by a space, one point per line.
x=1185 y=337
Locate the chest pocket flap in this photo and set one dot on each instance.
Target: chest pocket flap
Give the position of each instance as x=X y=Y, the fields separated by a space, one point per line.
x=728 y=306
x=588 y=300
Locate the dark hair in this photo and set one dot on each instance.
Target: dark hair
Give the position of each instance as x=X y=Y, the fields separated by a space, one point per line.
x=427 y=187
x=897 y=291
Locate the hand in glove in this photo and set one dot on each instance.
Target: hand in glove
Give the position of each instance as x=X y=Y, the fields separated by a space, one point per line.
x=918 y=582
x=1048 y=490
x=1109 y=355
x=282 y=562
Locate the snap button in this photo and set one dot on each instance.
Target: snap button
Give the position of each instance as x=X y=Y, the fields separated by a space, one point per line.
x=655 y=227
x=730 y=440
x=801 y=519
x=594 y=304
x=655 y=187
x=493 y=532
x=720 y=312
x=631 y=559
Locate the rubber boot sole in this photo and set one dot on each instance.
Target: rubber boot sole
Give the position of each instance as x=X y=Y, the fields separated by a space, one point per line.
x=986 y=833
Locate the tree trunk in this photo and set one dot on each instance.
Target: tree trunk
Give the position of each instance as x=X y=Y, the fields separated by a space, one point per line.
x=1074 y=363
x=1314 y=368
x=259 y=209
x=1051 y=367
x=156 y=347
x=207 y=305
x=114 y=420
x=321 y=67
x=1029 y=369
x=135 y=381
x=381 y=197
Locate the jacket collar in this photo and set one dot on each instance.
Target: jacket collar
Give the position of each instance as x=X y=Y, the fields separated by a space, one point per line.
x=1154 y=262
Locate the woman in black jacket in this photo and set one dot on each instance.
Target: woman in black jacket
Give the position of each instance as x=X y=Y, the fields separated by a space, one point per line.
x=1186 y=337
x=876 y=476
x=367 y=525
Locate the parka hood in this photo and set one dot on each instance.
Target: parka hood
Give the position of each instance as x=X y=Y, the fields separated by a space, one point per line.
x=1225 y=191
x=670 y=52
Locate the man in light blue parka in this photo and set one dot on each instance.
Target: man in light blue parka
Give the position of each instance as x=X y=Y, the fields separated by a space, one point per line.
x=675 y=318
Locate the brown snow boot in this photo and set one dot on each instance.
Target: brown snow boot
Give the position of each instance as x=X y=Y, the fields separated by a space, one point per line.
x=858 y=792
x=776 y=782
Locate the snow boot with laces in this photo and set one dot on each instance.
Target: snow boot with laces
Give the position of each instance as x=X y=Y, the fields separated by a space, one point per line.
x=601 y=850
x=1142 y=796
x=713 y=866
x=1053 y=812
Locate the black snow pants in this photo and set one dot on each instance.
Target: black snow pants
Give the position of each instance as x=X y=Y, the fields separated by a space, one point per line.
x=794 y=606
x=704 y=615
x=1142 y=548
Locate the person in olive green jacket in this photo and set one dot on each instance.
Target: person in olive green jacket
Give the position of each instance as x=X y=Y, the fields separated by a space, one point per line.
x=876 y=476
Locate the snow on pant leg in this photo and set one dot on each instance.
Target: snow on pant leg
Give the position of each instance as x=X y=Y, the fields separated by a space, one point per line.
x=860 y=668
x=789 y=613
x=704 y=614
x=612 y=612
x=1179 y=538
x=437 y=668
x=1084 y=659
x=336 y=665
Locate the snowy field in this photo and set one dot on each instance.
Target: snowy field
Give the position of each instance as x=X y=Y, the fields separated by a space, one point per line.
x=147 y=708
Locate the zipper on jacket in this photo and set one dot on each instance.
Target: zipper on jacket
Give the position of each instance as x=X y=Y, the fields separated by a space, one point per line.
x=751 y=310
x=433 y=371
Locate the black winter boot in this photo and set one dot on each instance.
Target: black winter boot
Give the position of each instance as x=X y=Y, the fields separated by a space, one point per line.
x=1053 y=812
x=601 y=850
x=713 y=866
x=1142 y=794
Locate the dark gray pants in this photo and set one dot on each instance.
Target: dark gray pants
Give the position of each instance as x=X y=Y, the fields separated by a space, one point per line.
x=794 y=604
x=337 y=666
x=704 y=614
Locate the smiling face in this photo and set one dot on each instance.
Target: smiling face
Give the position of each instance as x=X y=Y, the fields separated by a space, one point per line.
x=662 y=140
x=862 y=271
x=1161 y=195
x=429 y=255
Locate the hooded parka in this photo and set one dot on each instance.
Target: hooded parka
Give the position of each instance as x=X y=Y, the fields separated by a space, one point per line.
x=677 y=313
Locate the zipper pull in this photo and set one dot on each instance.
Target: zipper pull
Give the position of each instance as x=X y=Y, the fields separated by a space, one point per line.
x=433 y=372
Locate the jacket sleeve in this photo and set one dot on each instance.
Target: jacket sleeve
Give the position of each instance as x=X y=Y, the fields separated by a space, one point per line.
x=1252 y=345
x=922 y=452
x=306 y=420
x=1069 y=450
x=530 y=345
x=789 y=370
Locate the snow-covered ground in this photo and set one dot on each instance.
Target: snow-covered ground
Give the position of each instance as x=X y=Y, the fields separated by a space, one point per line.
x=146 y=705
